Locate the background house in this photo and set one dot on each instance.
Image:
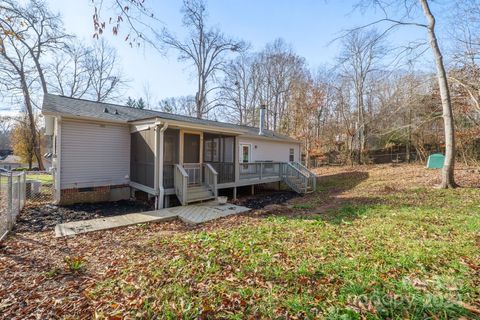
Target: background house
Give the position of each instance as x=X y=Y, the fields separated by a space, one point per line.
x=10 y=162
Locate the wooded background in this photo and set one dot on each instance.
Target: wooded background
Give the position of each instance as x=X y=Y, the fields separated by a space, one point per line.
x=377 y=98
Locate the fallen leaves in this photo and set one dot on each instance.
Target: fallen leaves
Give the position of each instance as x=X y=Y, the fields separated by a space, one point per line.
x=290 y=261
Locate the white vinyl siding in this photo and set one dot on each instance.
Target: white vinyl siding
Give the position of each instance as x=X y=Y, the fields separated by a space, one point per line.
x=94 y=154
x=265 y=150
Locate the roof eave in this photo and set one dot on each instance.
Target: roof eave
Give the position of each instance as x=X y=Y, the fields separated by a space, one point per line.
x=187 y=125
x=76 y=117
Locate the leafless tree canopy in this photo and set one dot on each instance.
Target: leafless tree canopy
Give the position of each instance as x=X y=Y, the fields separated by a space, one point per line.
x=206 y=48
x=28 y=33
x=373 y=99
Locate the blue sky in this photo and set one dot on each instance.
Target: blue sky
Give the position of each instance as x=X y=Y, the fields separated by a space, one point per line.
x=308 y=26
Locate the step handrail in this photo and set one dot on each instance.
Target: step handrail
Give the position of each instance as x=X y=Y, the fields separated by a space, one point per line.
x=211 y=178
x=311 y=174
x=291 y=171
x=180 y=182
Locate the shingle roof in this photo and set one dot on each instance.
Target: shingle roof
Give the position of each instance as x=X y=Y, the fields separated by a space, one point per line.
x=11 y=159
x=55 y=104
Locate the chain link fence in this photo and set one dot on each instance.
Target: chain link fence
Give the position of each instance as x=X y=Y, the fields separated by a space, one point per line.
x=18 y=189
x=40 y=187
x=12 y=199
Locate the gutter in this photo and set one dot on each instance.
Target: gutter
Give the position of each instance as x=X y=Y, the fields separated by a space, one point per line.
x=160 y=190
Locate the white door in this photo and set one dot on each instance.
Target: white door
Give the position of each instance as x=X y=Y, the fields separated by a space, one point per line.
x=245 y=153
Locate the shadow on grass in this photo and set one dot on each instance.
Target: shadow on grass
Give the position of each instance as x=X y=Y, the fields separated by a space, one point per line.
x=341 y=182
x=328 y=203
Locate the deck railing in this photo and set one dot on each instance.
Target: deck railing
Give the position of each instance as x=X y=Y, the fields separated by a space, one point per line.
x=312 y=177
x=295 y=178
x=225 y=170
x=260 y=170
x=194 y=171
x=181 y=184
x=211 y=177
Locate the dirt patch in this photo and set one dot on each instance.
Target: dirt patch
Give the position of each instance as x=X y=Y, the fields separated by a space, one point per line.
x=44 y=217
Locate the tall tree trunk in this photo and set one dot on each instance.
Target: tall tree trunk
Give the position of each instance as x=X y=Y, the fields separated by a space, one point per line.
x=448 y=179
x=31 y=123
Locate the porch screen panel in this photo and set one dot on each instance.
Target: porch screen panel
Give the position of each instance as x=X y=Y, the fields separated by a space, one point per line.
x=191 y=148
x=142 y=164
x=170 y=156
x=219 y=151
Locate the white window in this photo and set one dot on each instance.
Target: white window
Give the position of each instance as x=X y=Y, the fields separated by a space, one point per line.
x=292 y=155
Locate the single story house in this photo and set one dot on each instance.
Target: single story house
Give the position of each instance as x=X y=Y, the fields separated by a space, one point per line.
x=10 y=162
x=106 y=152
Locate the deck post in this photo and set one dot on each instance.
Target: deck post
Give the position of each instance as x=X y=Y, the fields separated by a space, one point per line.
x=180 y=147
x=237 y=159
x=158 y=166
x=253 y=189
x=161 y=195
x=234 y=193
x=156 y=173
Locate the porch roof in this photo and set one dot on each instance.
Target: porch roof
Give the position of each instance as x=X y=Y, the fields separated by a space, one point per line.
x=92 y=110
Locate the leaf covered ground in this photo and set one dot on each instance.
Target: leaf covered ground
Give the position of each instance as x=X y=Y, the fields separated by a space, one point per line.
x=373 y=242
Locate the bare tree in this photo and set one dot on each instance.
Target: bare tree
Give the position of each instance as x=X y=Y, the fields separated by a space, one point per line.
x=404 y=9
x=241 y=89
x=448 y=179
x=138 y=20
x=28 y=32
x=69 y=73
x=362 y=53
x=180 y=105
x=206 y=48
x=106 y=79
x=280 y=68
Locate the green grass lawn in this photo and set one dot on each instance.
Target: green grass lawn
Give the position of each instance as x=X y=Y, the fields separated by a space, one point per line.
x=44 y=178
x=409 y=254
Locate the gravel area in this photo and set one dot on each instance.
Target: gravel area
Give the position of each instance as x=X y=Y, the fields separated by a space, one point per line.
x=45 y=217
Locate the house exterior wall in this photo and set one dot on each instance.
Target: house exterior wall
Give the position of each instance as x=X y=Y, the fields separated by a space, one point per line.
x=94 y=155
x=268 y=150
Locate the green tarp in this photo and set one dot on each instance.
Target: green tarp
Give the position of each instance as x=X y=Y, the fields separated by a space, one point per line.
x=436 y=161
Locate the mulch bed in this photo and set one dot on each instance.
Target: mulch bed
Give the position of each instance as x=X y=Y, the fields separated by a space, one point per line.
x=44 y=217
x=266 y=198
x=35 y=218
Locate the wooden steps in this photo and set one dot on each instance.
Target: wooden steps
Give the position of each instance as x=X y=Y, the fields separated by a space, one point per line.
x=199 y=193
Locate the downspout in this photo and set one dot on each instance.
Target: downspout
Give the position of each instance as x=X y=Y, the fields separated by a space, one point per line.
x=160 y=190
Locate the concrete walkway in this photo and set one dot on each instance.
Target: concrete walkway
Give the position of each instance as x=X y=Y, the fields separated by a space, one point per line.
x=192 y=214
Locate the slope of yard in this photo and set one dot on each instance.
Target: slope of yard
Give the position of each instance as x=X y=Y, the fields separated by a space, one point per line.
x=373 y=242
